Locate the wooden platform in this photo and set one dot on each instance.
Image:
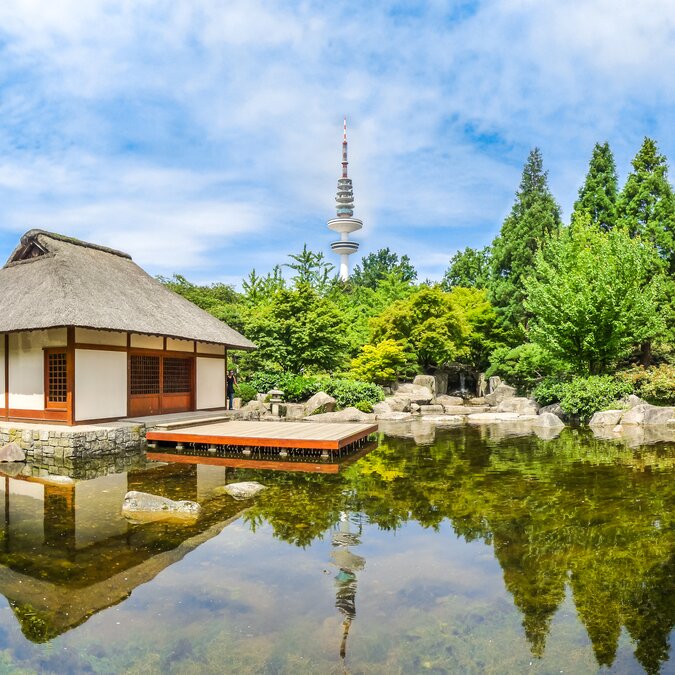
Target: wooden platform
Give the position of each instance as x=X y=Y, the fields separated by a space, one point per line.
x=299 y=435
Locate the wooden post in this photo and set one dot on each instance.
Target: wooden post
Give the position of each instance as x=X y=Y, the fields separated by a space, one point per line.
x=70 y=376
x=7 y=376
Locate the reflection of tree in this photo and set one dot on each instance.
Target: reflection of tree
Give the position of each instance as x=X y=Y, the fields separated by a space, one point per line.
x=575 y=510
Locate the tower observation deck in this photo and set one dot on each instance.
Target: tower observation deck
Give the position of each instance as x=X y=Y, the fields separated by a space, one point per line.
x=345 y=223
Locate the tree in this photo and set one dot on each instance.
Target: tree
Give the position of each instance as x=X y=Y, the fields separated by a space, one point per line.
x=312 y=269
x=376 y=266
x=646 y=206
x=383 y=363
x=593 y=297
x=429 y=323
x=298 y=330
x=258 y=289
x=535 y=216
x=598 y=194
x=469 y=268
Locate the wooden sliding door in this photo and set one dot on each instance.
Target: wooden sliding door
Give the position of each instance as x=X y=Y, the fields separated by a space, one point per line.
x=160 y=384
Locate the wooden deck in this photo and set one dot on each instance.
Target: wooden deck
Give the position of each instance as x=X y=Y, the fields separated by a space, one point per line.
x=297 y=435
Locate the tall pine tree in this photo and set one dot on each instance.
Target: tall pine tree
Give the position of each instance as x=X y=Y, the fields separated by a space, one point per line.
x=534 y=217
x=598 y=194
x=646 y=206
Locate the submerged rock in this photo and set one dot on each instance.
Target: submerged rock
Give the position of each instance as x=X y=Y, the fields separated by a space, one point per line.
x=12 y=452
x=143 y=505
x=243 y=490
x=392 y=416
x=548 y=420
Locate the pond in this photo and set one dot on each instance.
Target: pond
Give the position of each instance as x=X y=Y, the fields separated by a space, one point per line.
x=458 y=551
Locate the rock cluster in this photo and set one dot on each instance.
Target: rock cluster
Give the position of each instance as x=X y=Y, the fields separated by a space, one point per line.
x=145 y=506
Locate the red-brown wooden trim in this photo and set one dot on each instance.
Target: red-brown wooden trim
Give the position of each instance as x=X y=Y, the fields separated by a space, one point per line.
x=38 y=415
x=6 y=347
x=70 y=375
x=100 y=348
x=146 y=352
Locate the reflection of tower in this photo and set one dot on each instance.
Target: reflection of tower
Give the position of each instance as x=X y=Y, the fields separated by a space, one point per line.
x=348 y=563
x=345 y=221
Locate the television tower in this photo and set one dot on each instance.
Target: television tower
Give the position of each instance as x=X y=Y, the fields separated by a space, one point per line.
x=345 y=221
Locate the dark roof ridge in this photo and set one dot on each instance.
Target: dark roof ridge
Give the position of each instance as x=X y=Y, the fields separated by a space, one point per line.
x=31 y=234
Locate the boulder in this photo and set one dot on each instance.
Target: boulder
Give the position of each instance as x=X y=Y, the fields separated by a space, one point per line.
x=441 y=377
x=12 y=452
x=548 y=421
x=244 y=490
x=427 y=381
x=606 y=418
x=143 y=505
x=346 y=415
x=253 y=410
x=494 y=382
x=395 y=416
x=449 y=400
x=554 y=408
x=398 y=403
x=381 y=408
x=465 y=409
x=477 y=401
x=321 y=402
x=444 y=419
x=501 y=393
x=492 y=417
x=414 y=407
x=431 y=410
x=519 y=404
x=293 y=411
x=648 y=415
x=415 y=393
x=632 y=400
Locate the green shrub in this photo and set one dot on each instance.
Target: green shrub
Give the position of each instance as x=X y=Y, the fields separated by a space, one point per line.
x=522 y=367
x=245 y=391
x=656 y=384
x=383 y=363
x=350 y=392
x=549 y=390
x=584 y=396
x=364 y=406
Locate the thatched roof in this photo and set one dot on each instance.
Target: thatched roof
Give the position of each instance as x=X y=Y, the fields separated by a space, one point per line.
x=51 y=280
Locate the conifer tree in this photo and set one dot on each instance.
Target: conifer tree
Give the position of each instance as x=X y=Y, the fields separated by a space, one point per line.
x=598 y=194
x=534 y=217
x=646 y=206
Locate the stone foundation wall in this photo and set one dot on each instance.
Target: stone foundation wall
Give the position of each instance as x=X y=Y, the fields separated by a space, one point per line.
x=64 y=450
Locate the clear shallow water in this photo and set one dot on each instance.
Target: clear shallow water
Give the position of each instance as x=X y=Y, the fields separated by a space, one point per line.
x=462 y=552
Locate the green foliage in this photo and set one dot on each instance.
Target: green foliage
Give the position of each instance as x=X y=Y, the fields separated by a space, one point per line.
x=549 y=390
x=598 y=195
x=469 y=268
x=245 y=391
x=350 y=392
x=522 y=366
x=584 y=396
x=364 y=406
x=656 y=384
x=646 y=205
x=383 y=363
x=430 y=323
x=259 y=289
x=375 y=267
x=535 y=216
x=311 y=269
x=592 y=297
x=298 y=330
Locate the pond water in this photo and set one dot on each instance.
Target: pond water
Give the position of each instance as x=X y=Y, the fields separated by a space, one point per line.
x=458 y=551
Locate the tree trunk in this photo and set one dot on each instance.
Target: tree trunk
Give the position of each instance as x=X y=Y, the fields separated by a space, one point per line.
x=646 y=354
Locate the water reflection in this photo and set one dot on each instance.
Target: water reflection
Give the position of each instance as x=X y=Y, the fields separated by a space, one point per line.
x=577 y=532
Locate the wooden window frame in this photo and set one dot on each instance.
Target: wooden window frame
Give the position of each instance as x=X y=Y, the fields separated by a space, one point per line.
x=56 y=405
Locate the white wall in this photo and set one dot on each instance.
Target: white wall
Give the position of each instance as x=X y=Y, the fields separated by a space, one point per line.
x=180 y=345
x=88 y=336
x=208 y=348
x=100 y=384
x=210 y=383
x=2 y=370
x=98 y=514
x=26 y=366
x=147 y=341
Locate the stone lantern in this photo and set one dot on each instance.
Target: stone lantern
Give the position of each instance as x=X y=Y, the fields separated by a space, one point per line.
x=276 y=399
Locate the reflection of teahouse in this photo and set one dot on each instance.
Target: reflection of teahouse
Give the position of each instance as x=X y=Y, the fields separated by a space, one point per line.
x=348 y=563
x=86 y=334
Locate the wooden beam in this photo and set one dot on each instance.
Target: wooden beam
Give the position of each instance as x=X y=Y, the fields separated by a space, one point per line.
x=70 y=375
x=6 y=347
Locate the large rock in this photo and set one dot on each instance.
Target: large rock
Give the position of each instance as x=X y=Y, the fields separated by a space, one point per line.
x=449 y=400
x=495 y=417
x=321 y=402
x=441 y=378
x=293 y=411
x=477 y=401
x=253 y=410
x=648 y=415
x=431 y=410
x=554 y=408
x=12 y=452
x=606 y=418
x=428 y=381
x=398 y=403
x=143 y=505
x=519 y=404
x=548 y=421
x=501 y=393
x=346 y=415
x=632 y=400
x=394 y=416
x=415 y=393
x=465 y=409
x=381 y=408
x=243 y=490
x=447 y=420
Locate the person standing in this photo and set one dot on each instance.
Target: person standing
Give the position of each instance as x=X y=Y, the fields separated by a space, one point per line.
x=231 y=384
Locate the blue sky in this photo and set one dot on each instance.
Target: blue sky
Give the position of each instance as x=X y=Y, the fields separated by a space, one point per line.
x=203 y=137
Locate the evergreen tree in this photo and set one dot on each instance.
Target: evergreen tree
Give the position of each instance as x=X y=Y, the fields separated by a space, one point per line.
x=534 y=217
x=598 y=194
x=377 y=266
x=468 y=268
x=646 y=206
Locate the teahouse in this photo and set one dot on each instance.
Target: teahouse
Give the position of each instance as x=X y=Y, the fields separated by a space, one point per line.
x=86 y=335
